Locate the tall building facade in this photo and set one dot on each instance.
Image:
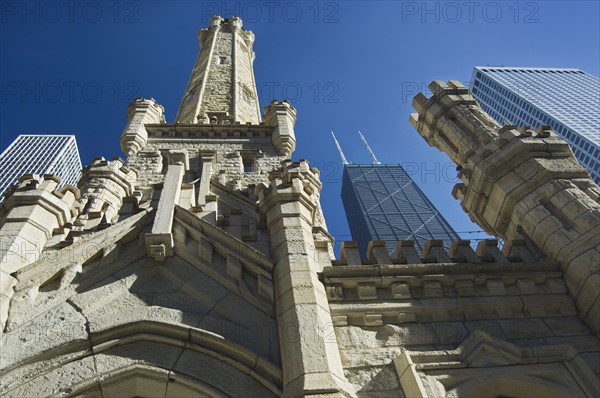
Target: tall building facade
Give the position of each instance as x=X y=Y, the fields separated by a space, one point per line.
x=203 y=265
x=382 y=202
x=565 y=99
x=40 y=154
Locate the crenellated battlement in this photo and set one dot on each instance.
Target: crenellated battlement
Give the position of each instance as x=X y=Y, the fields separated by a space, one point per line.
x=34 y=189
x=487 y=251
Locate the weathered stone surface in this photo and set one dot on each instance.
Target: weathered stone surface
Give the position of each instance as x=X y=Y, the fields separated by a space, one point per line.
x=247 y=299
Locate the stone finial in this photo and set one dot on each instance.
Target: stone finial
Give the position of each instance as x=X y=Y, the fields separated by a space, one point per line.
x=216 y=20
x=282 y=116
x=236 y=22
x=140 y=112
x=104 y=185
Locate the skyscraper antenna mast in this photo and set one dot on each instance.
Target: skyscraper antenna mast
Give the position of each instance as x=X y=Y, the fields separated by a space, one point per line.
x=339 y=148
x=362 y=137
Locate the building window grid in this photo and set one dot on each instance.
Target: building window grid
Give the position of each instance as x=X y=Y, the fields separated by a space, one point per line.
x=586 y=125
x=386 y=193
x=35 y=154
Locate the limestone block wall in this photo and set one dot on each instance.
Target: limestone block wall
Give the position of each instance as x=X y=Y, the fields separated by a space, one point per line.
x=218 y=91
x=390 y=315
x=230 y=146
x=100 y=317
x=230 y=186
x=247 y=107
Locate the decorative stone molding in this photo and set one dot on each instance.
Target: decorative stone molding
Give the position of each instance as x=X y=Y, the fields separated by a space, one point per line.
x=245 y=270
x=433 y=292
x=183 y=351
x=487 y=366
x=33 y=211
x=175 y=132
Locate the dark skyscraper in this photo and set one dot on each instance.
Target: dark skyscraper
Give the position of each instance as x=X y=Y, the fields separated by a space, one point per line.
x=382 y=202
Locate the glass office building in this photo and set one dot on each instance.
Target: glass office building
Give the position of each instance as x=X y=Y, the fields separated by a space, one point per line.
x=40 y=154
x=568 y=100
x=382 y=202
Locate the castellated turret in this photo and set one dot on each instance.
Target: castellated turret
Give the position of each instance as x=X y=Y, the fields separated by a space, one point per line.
x=187 y=247
x=139 y=113
x=520 y=184
x=282 y=116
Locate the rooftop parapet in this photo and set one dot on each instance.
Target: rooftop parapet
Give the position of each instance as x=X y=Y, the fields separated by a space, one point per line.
x=460 y=251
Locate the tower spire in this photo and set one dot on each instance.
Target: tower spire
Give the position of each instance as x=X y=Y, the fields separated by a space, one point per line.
x=339 y=148
x=222 y=89
x=362 y=137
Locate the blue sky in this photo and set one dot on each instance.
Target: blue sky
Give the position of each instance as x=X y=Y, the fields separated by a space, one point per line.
x=71 y=68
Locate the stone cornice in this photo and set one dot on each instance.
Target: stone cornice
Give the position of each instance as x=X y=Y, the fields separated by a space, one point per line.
x=395 y=294
x=210 y=131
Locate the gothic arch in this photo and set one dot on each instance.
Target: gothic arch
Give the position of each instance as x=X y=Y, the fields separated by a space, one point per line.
x=146 y=358
x=514 y=386
x=143 y=381
x=487 y=367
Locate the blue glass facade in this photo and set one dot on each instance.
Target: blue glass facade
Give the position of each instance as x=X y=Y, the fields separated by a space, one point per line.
x=382 y=202
x=568 y=100
x=40 y=154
